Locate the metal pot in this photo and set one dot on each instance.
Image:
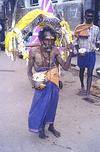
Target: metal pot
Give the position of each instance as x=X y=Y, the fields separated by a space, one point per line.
x=98 y=71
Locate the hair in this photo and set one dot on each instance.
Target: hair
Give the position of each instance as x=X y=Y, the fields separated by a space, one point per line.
x=41 y=35
x=89 y=11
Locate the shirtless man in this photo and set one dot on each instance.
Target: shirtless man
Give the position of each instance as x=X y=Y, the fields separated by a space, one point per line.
x=45 y=58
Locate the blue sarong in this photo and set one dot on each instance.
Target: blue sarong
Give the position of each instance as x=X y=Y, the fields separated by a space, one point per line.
x=43 y=108
x=88 y=60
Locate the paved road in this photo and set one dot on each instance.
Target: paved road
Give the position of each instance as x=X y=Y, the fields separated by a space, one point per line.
x=77 y=120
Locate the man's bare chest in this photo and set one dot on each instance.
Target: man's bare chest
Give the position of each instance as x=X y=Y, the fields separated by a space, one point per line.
x=44 y=59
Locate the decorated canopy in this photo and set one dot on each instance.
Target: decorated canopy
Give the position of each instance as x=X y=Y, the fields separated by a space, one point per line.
x=38 y=18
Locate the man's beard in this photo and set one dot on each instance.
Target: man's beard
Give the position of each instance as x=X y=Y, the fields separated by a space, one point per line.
x=89 y=21
x=48 y=48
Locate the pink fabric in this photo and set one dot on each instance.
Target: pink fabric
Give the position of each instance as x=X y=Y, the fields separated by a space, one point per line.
x=45 y=5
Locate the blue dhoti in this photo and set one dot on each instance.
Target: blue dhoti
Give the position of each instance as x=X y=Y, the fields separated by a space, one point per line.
x=43 y=108
x=88 y=60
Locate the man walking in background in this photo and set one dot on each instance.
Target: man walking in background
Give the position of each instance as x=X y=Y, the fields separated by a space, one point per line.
x=87 y=41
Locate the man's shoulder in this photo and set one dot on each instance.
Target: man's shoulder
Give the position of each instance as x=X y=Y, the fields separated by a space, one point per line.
x=95 y=29
x=95 y=26
x=35 y=50
x=79 y=25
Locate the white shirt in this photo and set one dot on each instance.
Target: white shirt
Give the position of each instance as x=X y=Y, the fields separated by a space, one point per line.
x=90 y=43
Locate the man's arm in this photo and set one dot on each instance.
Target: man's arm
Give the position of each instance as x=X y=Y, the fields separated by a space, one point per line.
x=76 y=43
x=64 y=65
x=76 y=38
x=98 y=40
x=30 y=66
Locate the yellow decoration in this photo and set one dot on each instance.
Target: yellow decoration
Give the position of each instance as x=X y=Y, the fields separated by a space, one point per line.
x=64 y=55
x=63 y=23
x=65 y=39
x=22 y=23
x=30 y=16
x=25 y=55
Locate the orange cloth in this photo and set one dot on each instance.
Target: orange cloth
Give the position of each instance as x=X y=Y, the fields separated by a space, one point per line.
x=53 y=75
x=82 y=30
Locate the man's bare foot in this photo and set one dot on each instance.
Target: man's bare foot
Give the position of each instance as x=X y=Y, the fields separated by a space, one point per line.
x=82 y=92
x=54 y=131
x=42 y=134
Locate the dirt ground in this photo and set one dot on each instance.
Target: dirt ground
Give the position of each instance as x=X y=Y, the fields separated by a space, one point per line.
x=77 y=120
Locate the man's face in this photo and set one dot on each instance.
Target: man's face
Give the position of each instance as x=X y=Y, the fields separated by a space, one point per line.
x=89 y=18
x=48 y=41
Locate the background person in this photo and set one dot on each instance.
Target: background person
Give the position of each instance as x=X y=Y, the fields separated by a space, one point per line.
x=87 y=40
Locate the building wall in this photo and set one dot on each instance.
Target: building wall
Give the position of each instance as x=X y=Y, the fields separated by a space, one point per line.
x=87 y=4
x=1 y=9
x=72 y=11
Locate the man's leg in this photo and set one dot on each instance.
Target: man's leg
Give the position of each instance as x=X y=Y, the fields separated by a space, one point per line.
x=81 y=76
x=42 y=133
x=53 y=130
x=89 y=80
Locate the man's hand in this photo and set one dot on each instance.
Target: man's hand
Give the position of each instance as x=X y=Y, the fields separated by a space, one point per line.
x=77 y=47
x=97 y=46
